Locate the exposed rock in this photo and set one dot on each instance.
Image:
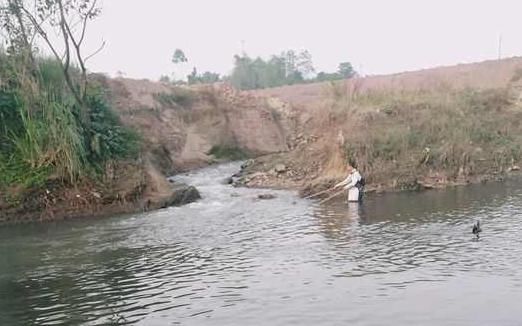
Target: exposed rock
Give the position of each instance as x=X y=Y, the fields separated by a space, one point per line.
x=227 y=181
x=272 y=173
x=247 y=164
x=266 y=196
x=182 y=195
x=256 y=176
x=280 y=168
x=159 y=193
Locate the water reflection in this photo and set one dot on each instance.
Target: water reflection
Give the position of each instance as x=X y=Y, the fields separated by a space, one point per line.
x=395 y=233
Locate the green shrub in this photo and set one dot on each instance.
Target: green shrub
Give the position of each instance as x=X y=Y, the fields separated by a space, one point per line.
x=42 y=133
x=13 y=171
x=108 y=138
x=228 y=152
x=178 y=97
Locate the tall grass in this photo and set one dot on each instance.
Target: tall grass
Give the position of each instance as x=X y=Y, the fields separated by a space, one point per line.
x=404 y=135
x=42 y=136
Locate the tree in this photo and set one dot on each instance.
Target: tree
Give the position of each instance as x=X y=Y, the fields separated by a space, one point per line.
x=205 y=78
x=290 y=59
x=25 y=20
x=298 y=65
x=304 y=63
x=287 y=68
x=193 y=77
x=243 y=76
x=19 y=34
x=346 y=70
x=209 y=77
x=164 y=79
x=179 y=57
x=276 y=71
x=327 y=76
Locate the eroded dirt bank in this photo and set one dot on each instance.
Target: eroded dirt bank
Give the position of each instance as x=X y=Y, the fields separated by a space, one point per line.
x=181 y=126
x=418 y=130
x=180 y=129
x=426 y=129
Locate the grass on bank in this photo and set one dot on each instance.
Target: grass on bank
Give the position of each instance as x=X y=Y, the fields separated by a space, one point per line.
x=403 y=135
x=229 y=153
x=42 y=133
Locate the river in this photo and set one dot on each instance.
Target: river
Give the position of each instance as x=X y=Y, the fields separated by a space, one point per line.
x=231 y=259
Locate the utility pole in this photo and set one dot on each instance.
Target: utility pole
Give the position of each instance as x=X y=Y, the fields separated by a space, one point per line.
x=500 y=47
x=243 y=47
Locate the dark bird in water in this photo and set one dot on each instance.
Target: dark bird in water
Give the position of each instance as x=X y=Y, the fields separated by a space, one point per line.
x=477 y=229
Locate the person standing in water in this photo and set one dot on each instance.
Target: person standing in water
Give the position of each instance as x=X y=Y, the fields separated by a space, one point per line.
x=354 y=183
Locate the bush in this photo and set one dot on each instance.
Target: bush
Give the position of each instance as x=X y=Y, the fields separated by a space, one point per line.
x=227 y=152
x=179 y=96
x=42 y=133
x=109 y=139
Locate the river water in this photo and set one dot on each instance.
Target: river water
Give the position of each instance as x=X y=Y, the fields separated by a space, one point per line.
x=231 y=259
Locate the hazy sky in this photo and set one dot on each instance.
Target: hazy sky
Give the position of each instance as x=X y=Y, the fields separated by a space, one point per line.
x=377 y=36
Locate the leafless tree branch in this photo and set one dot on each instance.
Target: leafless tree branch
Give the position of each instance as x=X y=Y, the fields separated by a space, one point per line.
x=96 y=52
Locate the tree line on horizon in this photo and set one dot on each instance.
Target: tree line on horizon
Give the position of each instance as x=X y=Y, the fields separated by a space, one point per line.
x=287 y=68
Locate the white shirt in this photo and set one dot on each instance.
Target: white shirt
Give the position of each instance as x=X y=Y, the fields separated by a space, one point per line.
x=351 y=180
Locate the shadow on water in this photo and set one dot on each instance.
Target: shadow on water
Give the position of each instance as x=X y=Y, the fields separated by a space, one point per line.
x=231 y=259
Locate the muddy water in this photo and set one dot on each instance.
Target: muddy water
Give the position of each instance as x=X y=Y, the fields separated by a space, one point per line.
x=229 y=259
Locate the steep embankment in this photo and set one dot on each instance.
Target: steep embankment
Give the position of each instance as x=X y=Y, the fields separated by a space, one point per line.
x=431 y=128
x=423 y=129
x=179 y=128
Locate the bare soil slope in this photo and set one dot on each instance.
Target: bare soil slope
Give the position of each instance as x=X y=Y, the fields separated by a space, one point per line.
x=181 y=125
x=428 y=128
x=178 y=128
x=481 y=75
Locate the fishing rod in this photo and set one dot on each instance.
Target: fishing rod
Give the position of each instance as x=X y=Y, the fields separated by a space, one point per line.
x=319 y=193
x=332 y=196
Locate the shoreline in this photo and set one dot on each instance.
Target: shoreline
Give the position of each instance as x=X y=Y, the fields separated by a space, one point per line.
x=182 y=194
x=139 y=188
x=253 y=176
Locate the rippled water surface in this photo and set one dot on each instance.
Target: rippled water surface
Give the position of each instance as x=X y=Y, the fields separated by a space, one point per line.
x=230 y=259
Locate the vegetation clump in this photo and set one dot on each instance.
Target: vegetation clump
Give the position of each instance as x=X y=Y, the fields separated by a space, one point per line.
x=287 y=68
x=178 y=97
x=43 y=135
x=55 y=123
x=406 y=135
x=226 y=152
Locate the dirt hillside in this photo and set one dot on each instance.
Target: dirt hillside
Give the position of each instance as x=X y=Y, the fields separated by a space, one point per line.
x=481 y=75
x=422 y=129
x=180 y=126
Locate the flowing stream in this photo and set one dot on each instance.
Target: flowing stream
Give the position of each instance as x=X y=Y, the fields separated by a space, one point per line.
x=232 y=259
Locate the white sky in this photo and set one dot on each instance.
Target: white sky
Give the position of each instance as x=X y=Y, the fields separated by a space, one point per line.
x=377 y=36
